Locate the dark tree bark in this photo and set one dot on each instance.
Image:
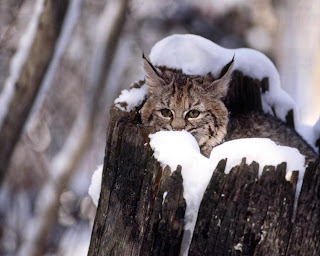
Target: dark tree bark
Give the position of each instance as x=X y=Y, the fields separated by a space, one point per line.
x=30 y=79
x=132 y=218
x=240 y=214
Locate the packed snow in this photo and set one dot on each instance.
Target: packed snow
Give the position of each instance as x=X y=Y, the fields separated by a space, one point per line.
x=262 y=150
x=129 y=99
x=238 y=247
x=196 y=55
x=95 y=186
x=173 y=148
x=164 y=196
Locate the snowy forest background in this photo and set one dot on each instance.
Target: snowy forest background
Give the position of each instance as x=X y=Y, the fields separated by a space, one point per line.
x=44 y=205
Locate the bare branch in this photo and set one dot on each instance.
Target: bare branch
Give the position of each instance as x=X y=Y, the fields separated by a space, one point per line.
x=22 y=87
x=64 y=162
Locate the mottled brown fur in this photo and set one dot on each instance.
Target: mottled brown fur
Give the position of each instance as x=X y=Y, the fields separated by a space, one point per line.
x=172 y=96
x=260 y=125
x=180 y=94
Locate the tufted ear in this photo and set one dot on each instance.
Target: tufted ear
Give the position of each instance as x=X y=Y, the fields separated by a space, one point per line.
x=219 y=88
x=152 y=75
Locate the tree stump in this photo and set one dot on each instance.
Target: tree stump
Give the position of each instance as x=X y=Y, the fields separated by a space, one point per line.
x=240 y=214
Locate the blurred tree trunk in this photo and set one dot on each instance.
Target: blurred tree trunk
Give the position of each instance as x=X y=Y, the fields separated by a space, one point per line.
x=298 y=54
x=240 y=213
x=28 y=84
x=63 y=164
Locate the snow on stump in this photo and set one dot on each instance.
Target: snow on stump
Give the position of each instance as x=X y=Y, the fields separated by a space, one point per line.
x=143 y=204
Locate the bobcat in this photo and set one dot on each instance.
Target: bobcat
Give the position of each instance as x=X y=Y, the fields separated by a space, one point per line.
x=176 y=101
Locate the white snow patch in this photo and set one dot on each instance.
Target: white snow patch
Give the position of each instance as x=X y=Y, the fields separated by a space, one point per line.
x=173 y=148
x=164 y=196
x=316 y=131
x=262 y=150
x=308 y=133
x=196 y=55
x=18 y=61
x=238 y=247
x=180 y=144
x=75 y=241
x=95 y=186
x=132 y=98
x=316 y=128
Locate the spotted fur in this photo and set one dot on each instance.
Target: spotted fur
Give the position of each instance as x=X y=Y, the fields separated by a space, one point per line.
x=171 y=90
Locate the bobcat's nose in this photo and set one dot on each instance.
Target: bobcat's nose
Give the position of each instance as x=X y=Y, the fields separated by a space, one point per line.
x=178 y=124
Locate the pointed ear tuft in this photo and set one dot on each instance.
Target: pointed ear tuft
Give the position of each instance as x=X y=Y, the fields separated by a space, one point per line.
x=153 y=79
x=226 y=68
x=219 y=88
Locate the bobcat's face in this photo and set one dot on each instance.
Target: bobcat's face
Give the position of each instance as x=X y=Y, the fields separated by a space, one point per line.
x=182 y=102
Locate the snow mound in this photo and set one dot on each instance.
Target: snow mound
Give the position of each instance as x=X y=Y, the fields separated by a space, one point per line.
x=129 y=99
x=180 y=144
x=95 y=186
x=173 y=148
x=196 y=55
x=263 y=151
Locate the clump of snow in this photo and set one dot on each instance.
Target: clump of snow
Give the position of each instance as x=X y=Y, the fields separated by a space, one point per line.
x=308 y=133
x=164 y=196
x=262 y=150
x=95 y=186
x=173 y=148
x=129 y=99
x=238 y=247
x=196 y=55
x=180 y=144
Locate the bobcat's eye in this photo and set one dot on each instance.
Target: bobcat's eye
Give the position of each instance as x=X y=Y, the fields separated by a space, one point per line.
x=166 y=112
x=193 y=113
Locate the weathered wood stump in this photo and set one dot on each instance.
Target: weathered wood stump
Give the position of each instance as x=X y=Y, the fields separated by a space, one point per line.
x=240 y=214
